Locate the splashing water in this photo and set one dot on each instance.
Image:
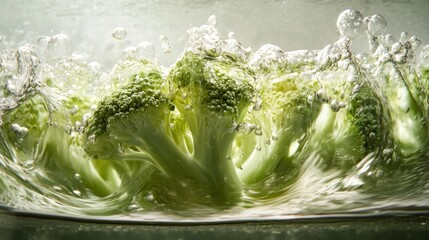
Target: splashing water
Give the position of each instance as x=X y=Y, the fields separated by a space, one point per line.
x=397 y=180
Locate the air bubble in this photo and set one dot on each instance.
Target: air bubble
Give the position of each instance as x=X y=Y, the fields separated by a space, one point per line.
x=335 y=106
x=350 y=23
x=274 y=137
x=21 y=132
x=119 y=33
x=268 y=56
x=130 y=52
x=377 y=25
x=388 y=152
x=245 y=128
x=91 y=138
x=231 y=35
x=322 y=96
x=77 y=193
x=60 y=46
x=77 y=176
x=212 y=21
x=258 y=104
x=146 y=50
x=188 y=108
x=404 y=37
x=165 y=45
x=133 y=207
x=389 y=40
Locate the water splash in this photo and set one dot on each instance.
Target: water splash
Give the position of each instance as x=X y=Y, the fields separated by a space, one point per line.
x=316 y=185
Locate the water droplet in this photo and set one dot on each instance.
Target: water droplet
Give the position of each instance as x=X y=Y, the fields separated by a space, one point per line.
x=377 y=25
x=350 y=23
x=146 y=50
x=231 y=35
x=258 y=148
x=119 y=33
x=268 y=142
x=228 y=158
x=310 y=99
x=57 y=188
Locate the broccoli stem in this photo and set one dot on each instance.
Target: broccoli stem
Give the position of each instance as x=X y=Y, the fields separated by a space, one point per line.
x=213 y=142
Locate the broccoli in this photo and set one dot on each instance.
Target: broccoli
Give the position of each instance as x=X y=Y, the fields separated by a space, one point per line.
x=219 y=128
x=182 y=125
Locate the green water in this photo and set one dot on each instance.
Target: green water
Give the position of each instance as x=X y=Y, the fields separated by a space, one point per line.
x=324 y=182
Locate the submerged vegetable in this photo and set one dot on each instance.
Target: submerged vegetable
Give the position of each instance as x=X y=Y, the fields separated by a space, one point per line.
x=220 y=126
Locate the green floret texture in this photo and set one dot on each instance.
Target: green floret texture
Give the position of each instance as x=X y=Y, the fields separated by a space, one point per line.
x=215 y=131
x=365 y=111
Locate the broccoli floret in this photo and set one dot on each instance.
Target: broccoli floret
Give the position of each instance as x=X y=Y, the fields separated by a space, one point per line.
x=288 y=109
x=213 y=95
x=408 y=106
x=354 y=123
x=183 y=126
x=25 y=126
x=133 y=123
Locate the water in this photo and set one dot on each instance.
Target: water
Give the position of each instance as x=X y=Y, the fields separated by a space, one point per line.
x=66 y=182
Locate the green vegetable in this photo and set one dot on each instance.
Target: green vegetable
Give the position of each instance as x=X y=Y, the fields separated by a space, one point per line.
x=211 y=128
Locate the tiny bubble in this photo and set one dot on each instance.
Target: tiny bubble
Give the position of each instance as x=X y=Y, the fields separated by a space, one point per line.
x=119 y=33
x=212 y=21
x=77 y=176
x=188 y=108
x=77 y=193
